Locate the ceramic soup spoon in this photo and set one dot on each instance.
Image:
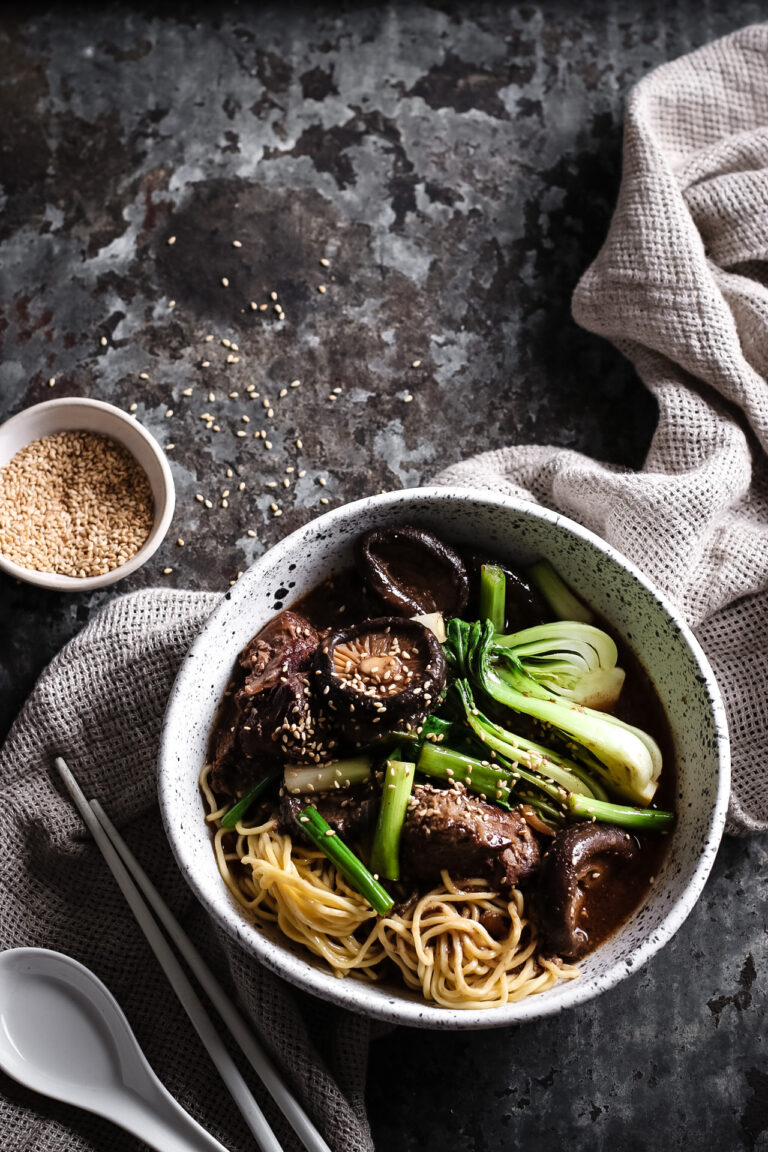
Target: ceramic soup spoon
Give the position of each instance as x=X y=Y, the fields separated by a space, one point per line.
x=62 y=1033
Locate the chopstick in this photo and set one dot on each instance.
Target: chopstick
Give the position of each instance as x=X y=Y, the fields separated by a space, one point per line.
x=132 y=881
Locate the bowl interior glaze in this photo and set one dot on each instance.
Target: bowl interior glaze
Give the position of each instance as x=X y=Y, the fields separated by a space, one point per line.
x=518 y=532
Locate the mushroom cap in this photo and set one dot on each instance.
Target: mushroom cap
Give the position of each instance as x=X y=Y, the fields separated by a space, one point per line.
x=412 y=572
x=571 y=855
x=380 y=674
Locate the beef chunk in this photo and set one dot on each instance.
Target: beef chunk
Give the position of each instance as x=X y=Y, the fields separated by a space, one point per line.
x=448 y=828
x=285 y=645
x=351 y=812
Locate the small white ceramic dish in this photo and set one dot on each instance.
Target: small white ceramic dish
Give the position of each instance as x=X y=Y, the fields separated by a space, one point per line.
x=78 y=414
x=518 y=532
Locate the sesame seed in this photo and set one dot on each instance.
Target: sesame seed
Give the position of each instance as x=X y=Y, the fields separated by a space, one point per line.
x=299 y=445
x=263 y=307
x=236 y=244
x=171 y=303
x=143 y=375
x=205 y=363
x=233 y=359
x=187 y=392
x=295 y=384
x=225 y=503
x=321 y=480
x=241 y=486
x=254 y=305
x=278 y=512
x=211 y=397
x=301 y=473
x=416 y=364
x=283 y=392
x=52 y=381
x=226 y=343
x=180 y=542
x=270 y=413
x=208 y=338
x=323 y=499
x=267 y=443
x=171 y=239
x=224 y=282
x=273 y=295
x=170 y=447
x=286 y=482
x=278 y=309
x=133 y=407
x=208 y=504
x=321 y=289
x=199 y=497
x=241 y=432
x=325 y=263
x=75 y=480
x=273 y=506
x=407 y=398
x=167 y=571
x=168 y=413
x=250 y=533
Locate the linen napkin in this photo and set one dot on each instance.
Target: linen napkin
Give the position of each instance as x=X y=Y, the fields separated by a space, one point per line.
x=100 y=704
x=681 y=288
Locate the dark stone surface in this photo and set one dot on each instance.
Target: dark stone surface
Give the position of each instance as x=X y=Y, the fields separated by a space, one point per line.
x=457 y=165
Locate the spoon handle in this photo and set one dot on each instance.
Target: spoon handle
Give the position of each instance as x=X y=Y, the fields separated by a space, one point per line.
x=201 y=1021
x=164 y=1125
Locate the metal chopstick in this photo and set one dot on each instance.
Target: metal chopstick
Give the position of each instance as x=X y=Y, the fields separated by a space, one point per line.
x=186 y=994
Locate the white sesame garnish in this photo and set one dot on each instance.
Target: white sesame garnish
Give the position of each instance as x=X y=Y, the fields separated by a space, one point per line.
x=187 y=392
x=254 y=305
x=171 y=239
x=167 y=571
x=321 y=289
x=325 y=263
x=236 y=244
x=224 y=282
x=168 y=413
x=295 y=384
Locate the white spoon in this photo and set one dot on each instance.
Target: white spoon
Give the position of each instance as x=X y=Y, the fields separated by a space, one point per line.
x=62 y=1033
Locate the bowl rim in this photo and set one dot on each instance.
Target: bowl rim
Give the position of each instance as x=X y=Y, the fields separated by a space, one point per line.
x=57 y=581
x=346 y=993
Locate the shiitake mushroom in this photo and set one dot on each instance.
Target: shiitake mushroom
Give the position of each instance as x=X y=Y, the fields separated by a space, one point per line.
x=572 y=854
x=382 y=673
x=412 y=572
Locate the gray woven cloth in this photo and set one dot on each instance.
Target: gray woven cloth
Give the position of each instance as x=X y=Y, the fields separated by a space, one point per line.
x=681 y=288
x=100 y=705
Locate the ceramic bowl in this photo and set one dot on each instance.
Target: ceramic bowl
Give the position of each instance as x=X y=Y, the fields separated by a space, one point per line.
x=79 y=414
x=520 y=533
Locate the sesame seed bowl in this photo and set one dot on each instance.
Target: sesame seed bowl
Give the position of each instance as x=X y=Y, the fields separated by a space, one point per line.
x=519 y=533
x=118 y=495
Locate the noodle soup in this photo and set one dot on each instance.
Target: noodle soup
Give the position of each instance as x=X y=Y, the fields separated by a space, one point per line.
x=466 y=799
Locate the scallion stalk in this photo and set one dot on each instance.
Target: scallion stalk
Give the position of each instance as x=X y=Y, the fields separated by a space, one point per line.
x=493 y=594
x=562 y=601
x=351 y=867
x=446 y=764
x=646 y=819
x=385 y=854
x=300 y=778
x=234 y=814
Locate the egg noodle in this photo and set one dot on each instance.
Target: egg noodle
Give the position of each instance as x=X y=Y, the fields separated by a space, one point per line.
x=439 y=941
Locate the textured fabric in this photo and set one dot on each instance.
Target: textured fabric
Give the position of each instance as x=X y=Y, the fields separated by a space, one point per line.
x=681 y=288
x=100 y=704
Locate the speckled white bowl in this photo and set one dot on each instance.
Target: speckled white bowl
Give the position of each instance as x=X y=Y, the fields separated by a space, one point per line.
x=80 y=414
x=518 y=532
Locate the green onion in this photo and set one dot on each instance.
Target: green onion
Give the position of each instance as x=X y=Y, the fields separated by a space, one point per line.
x=351 y=867
x=445 y=764
x=322 y=777
x=234 y=814
x=643 y=818
x=493 y=591
x=398 y=782
x=557 y=594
